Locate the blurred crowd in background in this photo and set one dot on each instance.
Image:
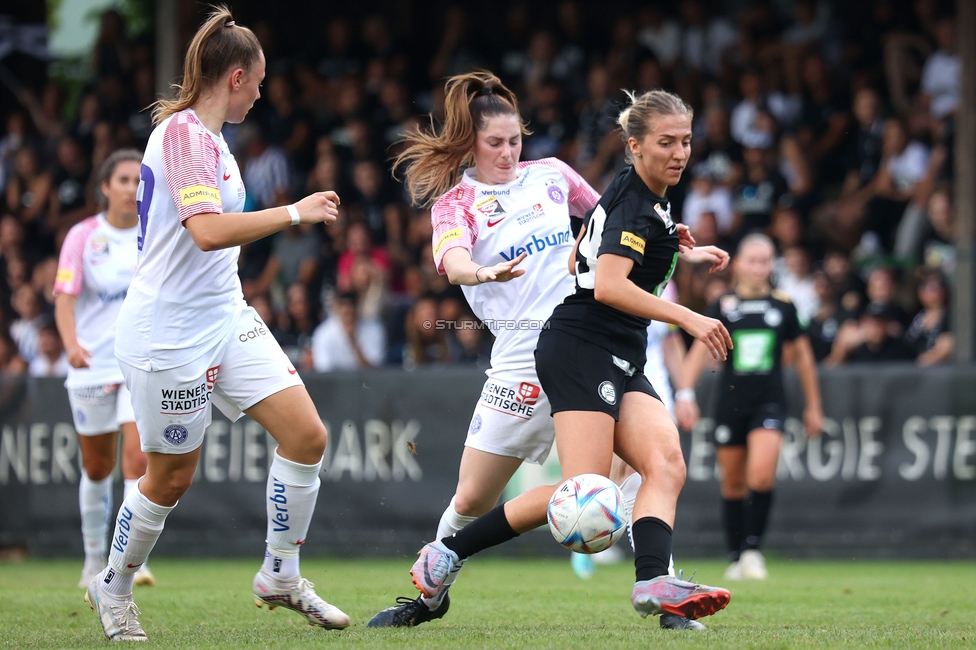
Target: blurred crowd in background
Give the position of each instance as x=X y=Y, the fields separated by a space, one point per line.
x=826 y=124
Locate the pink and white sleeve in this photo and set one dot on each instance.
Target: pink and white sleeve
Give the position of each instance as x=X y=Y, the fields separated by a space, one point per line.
x=71 y=262
x=582 y=197
x=454 y=225
x=191 y=162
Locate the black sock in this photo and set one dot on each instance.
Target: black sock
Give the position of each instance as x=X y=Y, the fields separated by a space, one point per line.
x=652 y=547
x=756 y=516
x=733 y=521
x=490 y=529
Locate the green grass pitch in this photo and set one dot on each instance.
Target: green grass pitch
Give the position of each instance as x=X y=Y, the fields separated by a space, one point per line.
x=501 y=603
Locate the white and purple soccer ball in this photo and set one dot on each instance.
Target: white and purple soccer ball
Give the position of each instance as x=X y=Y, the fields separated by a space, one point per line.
x=586 y=513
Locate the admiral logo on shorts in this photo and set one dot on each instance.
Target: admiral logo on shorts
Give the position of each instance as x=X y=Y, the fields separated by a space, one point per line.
x=517 y=403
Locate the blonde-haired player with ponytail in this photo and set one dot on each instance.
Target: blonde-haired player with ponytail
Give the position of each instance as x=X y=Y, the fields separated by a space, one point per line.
x=180 y=336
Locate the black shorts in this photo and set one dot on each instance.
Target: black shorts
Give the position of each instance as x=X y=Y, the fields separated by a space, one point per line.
x=732 y=426
x=580 y=376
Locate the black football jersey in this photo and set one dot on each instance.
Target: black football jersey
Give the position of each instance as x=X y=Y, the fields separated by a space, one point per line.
x=753 y=374
x=630 y=221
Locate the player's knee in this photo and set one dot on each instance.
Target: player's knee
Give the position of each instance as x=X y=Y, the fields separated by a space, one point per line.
x=470 y=505
x=98 y=469
x=133 y=463
x=762 y=483
x=168 y=491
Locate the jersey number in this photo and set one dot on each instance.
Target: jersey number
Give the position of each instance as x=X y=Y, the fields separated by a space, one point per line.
x=147 y=183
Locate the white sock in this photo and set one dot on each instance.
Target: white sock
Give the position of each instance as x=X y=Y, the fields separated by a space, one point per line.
x=291 y=491
x=450 y=523
x=95 y=502
x=628 y=488
x=137 y=528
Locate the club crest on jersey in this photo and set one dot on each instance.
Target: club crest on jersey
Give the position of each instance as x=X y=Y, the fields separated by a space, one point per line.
x=728 y=303
x=773 y=317
x=665 y=215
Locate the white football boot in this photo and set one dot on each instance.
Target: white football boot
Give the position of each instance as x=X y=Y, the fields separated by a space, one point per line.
x=298 y=595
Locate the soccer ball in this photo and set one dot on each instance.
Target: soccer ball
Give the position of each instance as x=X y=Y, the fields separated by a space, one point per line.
x=586 y=513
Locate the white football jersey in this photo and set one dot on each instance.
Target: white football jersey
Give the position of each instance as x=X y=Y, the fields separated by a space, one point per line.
x=496 y=223
x=96 y=265
x=182 y=300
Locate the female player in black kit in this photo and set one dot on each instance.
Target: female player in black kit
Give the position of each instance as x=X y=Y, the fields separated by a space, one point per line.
x=590 y=361
x=751 y=405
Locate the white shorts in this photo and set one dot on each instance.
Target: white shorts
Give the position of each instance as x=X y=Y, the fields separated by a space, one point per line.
x=100 y=409
x=512 y=417
x=173 y=407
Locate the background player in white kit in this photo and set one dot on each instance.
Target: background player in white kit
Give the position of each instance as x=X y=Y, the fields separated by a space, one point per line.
x=183 y=333
x=498 y=214
x=96 y=264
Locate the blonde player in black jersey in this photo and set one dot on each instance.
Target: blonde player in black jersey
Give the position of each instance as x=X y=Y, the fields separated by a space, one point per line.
x=751 y=405
x=590 y=362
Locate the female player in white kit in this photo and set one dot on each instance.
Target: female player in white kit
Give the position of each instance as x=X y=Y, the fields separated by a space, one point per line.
x=497 y=214
x=185 y=339
x=97 y=261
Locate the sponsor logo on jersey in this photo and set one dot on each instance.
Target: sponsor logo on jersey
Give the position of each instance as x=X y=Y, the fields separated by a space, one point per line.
x=492 y=224
x=503 y=399
x=630 y=240
x=176 y=434
x=773 y=317
x=536 y=245
x=537 y=212
x=183 y=401
x=226 y=176
x=99 y=246
x=490 y=207
x=280 y=501
x=608 y=393
x=666 y=216
x=106 y=297
x=450 y=235
x=496 y=192
x=65 y=276
x=528 y=393
x=199 y=194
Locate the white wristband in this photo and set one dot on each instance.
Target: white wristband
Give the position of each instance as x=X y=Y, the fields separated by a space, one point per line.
x=684 y=395
x=293 y=212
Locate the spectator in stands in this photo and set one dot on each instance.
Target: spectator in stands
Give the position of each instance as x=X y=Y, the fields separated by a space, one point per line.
x=11 y=363
x=929 y=334
x=296 y=327
x=26 y=329
x=71 y=198
x=940 y=76
x=762 y=187
x=825 y=121
x=870 y=341
x=288 y=126
x=882 y=289
x=797 y=282
x=717 y=149
x=346 y=341
x=708 y=194
x=28 y=192
x=51 y=360
x=469 y=343
x=267 y=176
x=826 y=323
x=426 y=343
x=937 y=243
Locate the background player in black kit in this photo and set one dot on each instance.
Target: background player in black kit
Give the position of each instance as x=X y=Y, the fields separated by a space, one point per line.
x=751 y=405
x=591 y=359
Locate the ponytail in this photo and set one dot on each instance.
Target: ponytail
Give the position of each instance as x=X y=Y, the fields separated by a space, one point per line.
x=219 y=45
x=433 y=161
